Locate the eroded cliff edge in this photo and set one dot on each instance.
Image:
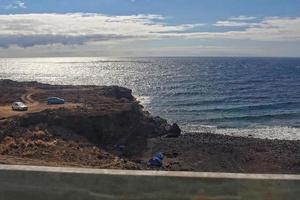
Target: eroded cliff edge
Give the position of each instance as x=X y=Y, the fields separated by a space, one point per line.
x=87 y=131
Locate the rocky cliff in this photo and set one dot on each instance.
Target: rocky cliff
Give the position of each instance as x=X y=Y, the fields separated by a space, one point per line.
x=103 y=119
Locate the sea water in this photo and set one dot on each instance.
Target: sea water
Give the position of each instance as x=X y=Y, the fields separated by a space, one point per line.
x=257 y=97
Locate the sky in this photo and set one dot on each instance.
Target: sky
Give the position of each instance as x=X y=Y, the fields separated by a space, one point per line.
x=114 y=28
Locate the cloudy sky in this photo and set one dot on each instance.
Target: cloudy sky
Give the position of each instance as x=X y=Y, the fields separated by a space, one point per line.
x=30 y=28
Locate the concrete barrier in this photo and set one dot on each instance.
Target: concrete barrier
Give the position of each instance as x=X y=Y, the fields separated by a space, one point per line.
x=42 y=183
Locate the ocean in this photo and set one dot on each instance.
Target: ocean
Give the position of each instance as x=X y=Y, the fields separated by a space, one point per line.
x=257 y=97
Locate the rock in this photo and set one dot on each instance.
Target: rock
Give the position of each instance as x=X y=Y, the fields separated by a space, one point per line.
x=118 y=92
x=174 y=131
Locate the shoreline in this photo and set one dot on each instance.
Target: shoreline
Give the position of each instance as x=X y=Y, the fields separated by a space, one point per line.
x=109 y=116
x=222 y=153
x=261 y=132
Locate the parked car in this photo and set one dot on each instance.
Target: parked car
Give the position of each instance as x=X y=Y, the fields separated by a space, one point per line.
x=55 y=100
x=19 y=106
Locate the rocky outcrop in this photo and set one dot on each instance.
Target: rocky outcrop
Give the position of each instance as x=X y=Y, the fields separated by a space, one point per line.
x=117 y=92
x=128 y=127
x=174 y=131
x=109 y=116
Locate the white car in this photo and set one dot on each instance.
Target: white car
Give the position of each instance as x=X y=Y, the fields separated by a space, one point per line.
x=19 y=106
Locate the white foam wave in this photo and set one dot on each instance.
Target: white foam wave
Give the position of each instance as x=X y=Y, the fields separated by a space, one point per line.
x=268 y=132
x=144 y=100
x=273 y=132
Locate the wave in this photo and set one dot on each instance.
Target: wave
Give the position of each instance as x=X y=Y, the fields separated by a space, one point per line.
x=256 y=117
x=267 y=132
x=273 y=106
x=262 y=132
x=196 y=102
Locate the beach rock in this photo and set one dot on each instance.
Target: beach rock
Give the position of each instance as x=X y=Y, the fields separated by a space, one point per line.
x=118 y=92
x=174 y=131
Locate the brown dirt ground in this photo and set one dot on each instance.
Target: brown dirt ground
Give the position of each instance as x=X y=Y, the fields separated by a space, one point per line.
x=33 y=105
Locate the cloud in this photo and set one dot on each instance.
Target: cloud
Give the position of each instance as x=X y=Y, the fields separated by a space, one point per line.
x=240 y=21
x=28 y=30
x=235 y=24
x=242 y=18
x=77 y=28
x=15 y=5
x=29 y=41
x=271 y=29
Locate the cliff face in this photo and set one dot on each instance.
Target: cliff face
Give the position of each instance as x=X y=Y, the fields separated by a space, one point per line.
x=103 y=118
x=128 y=127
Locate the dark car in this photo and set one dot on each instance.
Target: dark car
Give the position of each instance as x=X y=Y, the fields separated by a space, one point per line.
x=55 y=100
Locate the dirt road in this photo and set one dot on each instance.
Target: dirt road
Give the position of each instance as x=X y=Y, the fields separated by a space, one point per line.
x=33 y=105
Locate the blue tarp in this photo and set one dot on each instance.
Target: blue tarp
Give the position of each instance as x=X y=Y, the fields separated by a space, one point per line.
x=157 y=160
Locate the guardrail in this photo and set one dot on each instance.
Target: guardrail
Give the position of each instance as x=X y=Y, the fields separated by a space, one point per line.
x=42 y=183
